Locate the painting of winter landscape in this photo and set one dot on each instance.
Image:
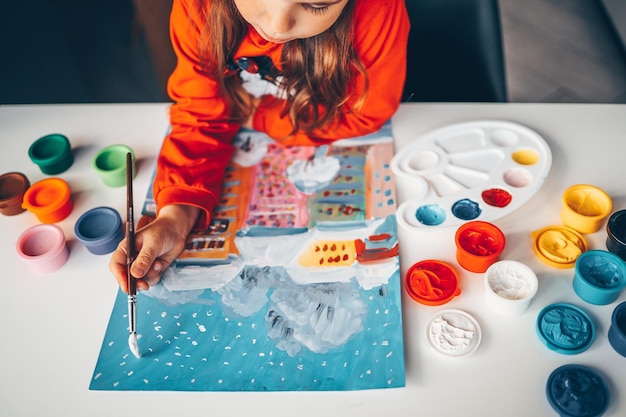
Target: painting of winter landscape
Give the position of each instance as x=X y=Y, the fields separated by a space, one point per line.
x=294 y=286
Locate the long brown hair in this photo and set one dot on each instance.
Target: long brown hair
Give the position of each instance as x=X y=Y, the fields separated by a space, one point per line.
x=320 y=71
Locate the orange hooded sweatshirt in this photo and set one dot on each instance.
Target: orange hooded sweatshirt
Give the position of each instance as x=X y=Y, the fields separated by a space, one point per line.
x=198 y=147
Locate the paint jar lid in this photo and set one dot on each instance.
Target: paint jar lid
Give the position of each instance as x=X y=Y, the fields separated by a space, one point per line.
x=577 y=391
x=565 y=328
x=432 y=282
x=454 y=333
x=558 y=246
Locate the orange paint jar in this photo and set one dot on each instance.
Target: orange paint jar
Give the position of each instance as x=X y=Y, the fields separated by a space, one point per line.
x=49 y=199
x=479 y=244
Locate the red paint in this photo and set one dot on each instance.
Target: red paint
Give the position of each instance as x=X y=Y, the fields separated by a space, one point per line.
x=497 y=197
x=432 y=282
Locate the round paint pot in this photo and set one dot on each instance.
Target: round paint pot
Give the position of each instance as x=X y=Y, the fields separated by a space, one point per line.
x=110 y=164
x=100 y=230
x=617 y=331
x=558 y=246
x=616 y=234
x=454 y=333
x=599 y=277
x=13 y=185
x=43 y=247
x=509 y=287
x=577 y=391
x=565 y=328
x=585 y=207
x=432 y=282
x=52 y=153
x=49 y=199
x=479 y=244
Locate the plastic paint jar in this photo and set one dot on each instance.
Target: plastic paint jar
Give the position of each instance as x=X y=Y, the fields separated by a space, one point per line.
x=558 y=246
x=432 y=282
x=585 y=207
x=100 y=230
x=49 y=199
x=616 y=234
x=454 y=333
x=509 y=287
x=43 y=247
x=617 y=331
x=479 y=244
x=577 y=391
x=110 y=165
x=565 y=328
x=13 y=185
x=599 y=277
x=52 y=153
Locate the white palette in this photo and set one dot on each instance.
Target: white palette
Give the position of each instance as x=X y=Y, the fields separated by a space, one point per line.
x=480 y=170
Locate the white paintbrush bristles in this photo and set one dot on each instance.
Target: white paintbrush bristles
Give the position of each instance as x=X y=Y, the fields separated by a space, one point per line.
x=134 y=346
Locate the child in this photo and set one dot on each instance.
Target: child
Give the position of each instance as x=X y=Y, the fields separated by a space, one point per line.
x=305 y=72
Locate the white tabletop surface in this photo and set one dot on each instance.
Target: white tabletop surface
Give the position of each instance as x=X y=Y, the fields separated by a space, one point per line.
x=52 y=325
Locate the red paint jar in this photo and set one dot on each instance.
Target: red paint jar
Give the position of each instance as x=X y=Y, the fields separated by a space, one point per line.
x=432 y=282
x=479 y=244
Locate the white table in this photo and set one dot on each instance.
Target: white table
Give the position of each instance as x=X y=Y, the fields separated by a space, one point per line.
x=52 y=325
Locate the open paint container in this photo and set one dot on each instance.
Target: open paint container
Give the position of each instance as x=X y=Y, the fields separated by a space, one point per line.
x=510 y=287
x=49 y=199
x=617 y=331
x=454 y=333
x=565 y=328
x=616 y=234
x=110 y=164
x=480 y=170
x=432 y=282
x=43 y=247
x=599 y=277
x=558 y=246
x=577 y=391
x=100 y=230
x=52 y=153
x=479 y=244
x=13 y=186
x=585 y=208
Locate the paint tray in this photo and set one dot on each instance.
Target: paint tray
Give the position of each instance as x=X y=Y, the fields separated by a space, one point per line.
x=480 y=170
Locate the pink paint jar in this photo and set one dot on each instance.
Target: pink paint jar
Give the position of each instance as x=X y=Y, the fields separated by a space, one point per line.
x=43 y=247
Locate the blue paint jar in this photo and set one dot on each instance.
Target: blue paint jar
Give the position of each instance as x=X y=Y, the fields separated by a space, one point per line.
x=577 y=391
x=565 y=328
x=617 y=331
x=100 y=230
x=599 y=277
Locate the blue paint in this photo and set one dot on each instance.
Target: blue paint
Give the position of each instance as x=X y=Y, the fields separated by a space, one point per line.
x=577 y=391
x=100 y=230
x=565 y=328
x=466 y=209
x=204 y=345
x=430 y=214
x=599 y=277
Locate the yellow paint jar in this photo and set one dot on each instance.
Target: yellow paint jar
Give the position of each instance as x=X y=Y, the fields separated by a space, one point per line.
x=558 y=246
x=585 y=208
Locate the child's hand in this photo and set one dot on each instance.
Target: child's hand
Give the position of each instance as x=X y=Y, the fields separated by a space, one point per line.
x=157 y=244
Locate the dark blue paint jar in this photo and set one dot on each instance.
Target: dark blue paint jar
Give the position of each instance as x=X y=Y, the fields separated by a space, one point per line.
x=100 y=230
x=577 y=391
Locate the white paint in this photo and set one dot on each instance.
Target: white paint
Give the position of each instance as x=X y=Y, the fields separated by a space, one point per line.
x=133 y=345
x=509 y=287
x=454 y=333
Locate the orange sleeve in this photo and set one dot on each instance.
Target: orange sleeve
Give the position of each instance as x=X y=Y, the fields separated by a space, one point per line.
x=381 y=33
x=195 y=153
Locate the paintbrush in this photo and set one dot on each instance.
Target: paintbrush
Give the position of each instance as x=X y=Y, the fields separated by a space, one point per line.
x=130 y=258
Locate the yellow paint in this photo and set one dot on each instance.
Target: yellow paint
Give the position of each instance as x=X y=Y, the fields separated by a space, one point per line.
x=561 y=246
x=525 y=157
x=329 y=253
x=588 y=201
